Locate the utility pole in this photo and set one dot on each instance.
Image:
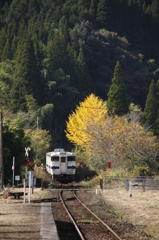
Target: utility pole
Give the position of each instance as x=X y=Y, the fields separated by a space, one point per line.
x=1 y=152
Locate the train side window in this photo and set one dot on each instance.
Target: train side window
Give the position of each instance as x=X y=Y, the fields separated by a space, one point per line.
x=71 y=158
x=55 y=159
x=63 y=159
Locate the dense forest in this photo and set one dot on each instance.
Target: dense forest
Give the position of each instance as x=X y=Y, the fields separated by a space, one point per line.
x=53 y=53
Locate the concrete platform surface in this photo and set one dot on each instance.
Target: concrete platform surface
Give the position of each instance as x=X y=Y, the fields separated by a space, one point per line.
x=26 y=221
x=48 y=227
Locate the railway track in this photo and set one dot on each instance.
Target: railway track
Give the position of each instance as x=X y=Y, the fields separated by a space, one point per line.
x=87 y=224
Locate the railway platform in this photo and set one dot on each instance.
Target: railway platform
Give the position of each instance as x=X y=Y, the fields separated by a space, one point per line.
x=48 y=226
x=26 y=221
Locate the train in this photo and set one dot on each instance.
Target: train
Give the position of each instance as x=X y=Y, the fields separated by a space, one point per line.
x=61 y=164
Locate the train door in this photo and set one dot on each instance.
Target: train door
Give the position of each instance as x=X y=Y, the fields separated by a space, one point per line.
x=63 y=165
x=71 y=165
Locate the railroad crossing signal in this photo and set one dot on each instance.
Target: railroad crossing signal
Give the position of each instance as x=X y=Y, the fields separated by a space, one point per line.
x=30 y=167
x=27 y=151
x=27 y=160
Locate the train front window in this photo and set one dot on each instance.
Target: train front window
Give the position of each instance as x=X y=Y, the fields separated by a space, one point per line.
x=71 y=158
x=55 y=159
x=63 y=159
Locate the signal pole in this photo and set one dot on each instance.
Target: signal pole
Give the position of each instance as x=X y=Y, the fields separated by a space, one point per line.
x=1 y=152
x=13 y=168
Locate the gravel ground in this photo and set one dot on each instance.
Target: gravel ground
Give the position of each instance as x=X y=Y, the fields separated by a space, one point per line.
x=133 y=215
x=98 y=204
x=125 y=229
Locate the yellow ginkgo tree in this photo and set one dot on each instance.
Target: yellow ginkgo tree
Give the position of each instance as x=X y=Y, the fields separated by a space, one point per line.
x=89 y=112
x=93 y=129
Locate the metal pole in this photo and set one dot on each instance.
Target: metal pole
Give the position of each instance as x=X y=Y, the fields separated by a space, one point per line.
x=32 y=182
x=13 y=170
x=29 y=185
x=130 y=190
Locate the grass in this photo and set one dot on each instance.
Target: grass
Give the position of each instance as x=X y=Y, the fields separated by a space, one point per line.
x=88 y=221
x=153 y=231
x=119 y=217
x=88 y=184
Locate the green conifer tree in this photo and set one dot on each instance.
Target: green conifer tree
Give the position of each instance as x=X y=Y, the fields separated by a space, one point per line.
x=150 y=111
x=93 y=7
x=83 y=4
x=13 y=46
x=156 y=131
x=26 y=77
x=75 y=39
x=157 y=94
x=14 y=29
x=155 y=8
x=7 y=51
x=33 y=8
x=3 y=37
x=21 y=30
x=84 y=79
x=117 y=99
x=57 y=51
x=104 y=13
x=72 y=66
x=65 y=30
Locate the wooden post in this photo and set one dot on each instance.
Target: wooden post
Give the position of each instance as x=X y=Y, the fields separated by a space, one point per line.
x=42 y=184
x=104 y=185
x=143 y=185
x=101 y=184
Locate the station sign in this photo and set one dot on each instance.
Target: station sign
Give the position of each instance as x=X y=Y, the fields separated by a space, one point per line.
x=17 y=178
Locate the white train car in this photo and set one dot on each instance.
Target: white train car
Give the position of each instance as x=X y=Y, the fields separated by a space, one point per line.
x=61 y=164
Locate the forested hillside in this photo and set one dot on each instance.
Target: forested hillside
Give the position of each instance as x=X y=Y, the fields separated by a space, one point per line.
x=54 y=53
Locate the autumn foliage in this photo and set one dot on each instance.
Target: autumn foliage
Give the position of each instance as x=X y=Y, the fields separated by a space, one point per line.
x=123 y=142
x=87 y=113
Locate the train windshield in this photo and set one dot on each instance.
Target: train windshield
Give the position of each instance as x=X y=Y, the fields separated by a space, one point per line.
x=63 y=159
x=71 y=158
x=54 y=158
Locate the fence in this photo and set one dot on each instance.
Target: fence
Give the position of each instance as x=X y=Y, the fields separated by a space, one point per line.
x=143 y=182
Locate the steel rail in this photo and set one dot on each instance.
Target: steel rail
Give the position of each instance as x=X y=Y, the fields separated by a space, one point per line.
x=104 y=224
x=70 y=216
